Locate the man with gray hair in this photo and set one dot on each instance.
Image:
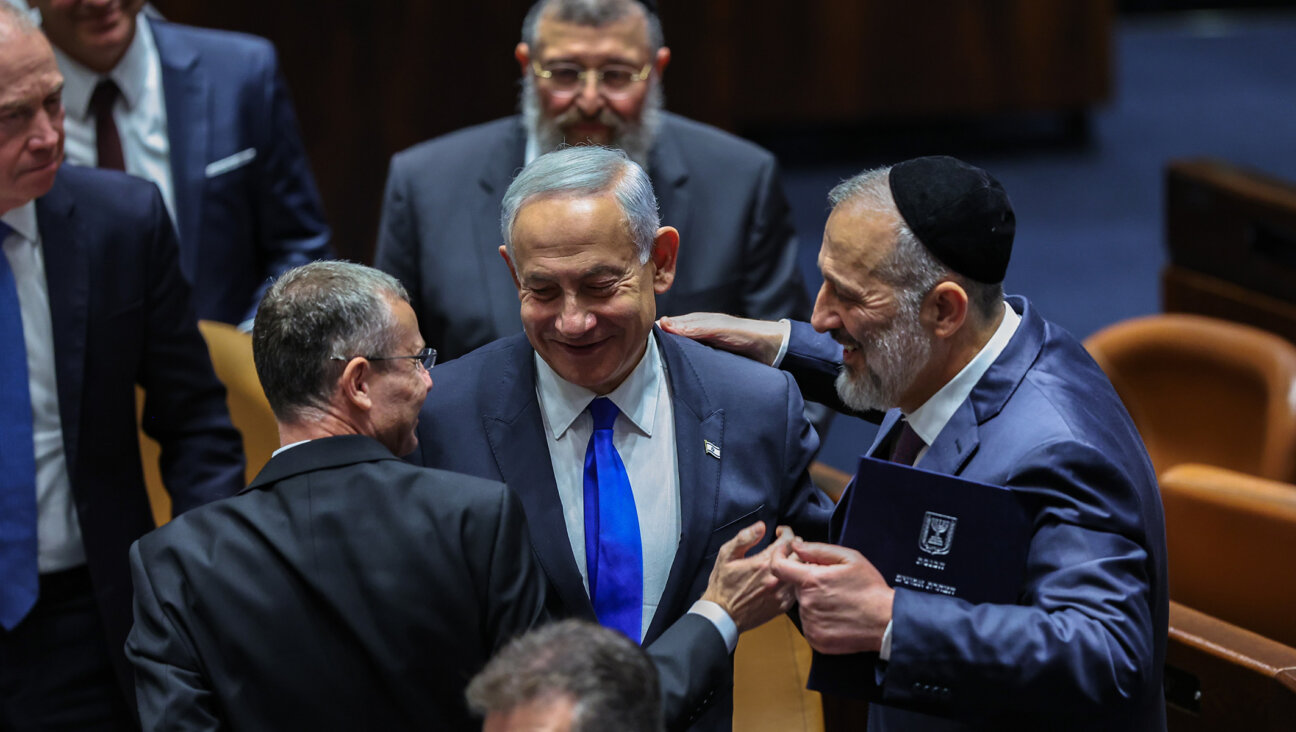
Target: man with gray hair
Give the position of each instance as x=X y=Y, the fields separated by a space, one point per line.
x=591 y=74
x=912 y=318
x=647 y=465
x=92 y=305
x=344 y=588
x=569 y=676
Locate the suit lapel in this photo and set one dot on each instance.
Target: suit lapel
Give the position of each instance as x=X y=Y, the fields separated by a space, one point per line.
x=697 y=422
x=501 y=295
x=955 y=444
x=959 y=439
x=187 y=96
x=67 y=275
x=515 y=431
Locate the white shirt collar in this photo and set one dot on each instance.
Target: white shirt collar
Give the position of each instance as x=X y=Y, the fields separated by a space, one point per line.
x=130 y=74
x=929 y=419
x=23 y=221
x=562 y=401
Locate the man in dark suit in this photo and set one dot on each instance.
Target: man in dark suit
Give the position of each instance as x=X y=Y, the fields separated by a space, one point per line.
x=93 y=304
x=986 y=389
x=206 y=115
x=591 y=72
x=708 y=443
x=344 y=588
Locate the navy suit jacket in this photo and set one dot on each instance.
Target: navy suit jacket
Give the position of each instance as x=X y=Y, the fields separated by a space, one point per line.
x=440 y=232
x=482 y=417
x=1085 y=645
x=121 y=316
x=255 y=213
x=343 y=589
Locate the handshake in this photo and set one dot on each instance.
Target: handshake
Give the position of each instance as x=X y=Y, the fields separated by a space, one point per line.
x=844 y=602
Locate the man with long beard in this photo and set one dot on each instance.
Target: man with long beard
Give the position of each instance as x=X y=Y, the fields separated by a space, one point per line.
x=591 y=73
x=912 y=318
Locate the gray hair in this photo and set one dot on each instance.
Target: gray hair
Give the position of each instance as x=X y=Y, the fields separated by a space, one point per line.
x=16 y=18
x=911 y=268
x=309 y=316
x=587 y=171
x=590 y=13
x=608 y=677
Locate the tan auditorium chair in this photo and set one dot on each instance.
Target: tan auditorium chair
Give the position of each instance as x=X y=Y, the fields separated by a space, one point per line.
x=231 y=354
x=1203 y=390
x=1231 y=541
x=772 y=662
x=1222 y=677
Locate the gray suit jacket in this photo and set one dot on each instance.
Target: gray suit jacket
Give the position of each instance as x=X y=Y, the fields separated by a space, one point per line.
x=440 y=229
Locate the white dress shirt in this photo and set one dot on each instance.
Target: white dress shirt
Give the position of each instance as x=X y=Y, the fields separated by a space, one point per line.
x=644 y=436
x=929 y=419
x=140 y=112
x=58 y=535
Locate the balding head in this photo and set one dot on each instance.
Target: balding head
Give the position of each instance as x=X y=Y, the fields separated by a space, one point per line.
x=15 y=21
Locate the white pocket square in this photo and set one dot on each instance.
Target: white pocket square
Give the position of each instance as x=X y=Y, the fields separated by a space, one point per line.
x=237 y=160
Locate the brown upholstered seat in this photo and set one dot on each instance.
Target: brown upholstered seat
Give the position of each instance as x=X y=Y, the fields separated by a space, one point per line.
x=1222 y=677
x=231 y=354
x=1232 y=547
x=1205 y=391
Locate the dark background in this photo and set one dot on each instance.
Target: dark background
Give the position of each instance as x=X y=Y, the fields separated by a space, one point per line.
x=1075 y=105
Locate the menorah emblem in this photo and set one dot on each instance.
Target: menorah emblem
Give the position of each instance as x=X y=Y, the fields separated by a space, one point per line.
x=937 y=533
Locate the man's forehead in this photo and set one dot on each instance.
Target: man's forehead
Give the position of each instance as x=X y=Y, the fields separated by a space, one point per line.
x=627 y=36
x=855 y=243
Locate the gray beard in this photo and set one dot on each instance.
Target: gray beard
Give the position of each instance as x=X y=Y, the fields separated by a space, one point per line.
x=635 y=138
x=893 y=359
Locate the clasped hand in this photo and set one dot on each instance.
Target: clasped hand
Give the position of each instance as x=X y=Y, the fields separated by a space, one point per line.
x=845 y=604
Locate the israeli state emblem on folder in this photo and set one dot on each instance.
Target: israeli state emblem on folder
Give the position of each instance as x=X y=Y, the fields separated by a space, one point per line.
x=937 y=533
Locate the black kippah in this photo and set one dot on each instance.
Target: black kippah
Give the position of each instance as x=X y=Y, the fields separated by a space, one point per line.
x=959 y=212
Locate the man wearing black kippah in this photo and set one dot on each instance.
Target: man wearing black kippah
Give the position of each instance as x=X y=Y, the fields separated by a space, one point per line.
x=979 y=386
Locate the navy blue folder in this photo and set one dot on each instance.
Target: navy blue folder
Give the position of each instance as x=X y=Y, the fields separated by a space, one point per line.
x=928 y=532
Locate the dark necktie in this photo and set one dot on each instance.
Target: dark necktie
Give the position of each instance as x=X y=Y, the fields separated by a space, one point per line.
x=19 y=578
x=613 y=551
x=107 y=141
x=907 y=445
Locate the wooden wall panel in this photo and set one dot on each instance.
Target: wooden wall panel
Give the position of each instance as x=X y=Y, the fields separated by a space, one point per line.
x=371 y=77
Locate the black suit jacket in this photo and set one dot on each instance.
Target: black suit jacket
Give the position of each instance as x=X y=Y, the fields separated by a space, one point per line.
x=440 y=229
x=121 y=316
x=343 y=589
x=483 y=418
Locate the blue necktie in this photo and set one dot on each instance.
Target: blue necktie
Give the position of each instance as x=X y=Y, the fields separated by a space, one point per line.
x=19 y=580
x=613 y=552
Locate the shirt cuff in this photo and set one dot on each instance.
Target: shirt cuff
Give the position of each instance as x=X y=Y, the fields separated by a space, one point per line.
x=787 y=336
x=720 y=619
x=884 y=652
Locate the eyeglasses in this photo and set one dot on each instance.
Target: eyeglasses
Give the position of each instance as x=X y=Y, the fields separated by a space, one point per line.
x=425 y=357
x=612 y=81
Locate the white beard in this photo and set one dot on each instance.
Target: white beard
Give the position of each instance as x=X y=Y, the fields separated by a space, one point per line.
x=893 y=359
x=635 y=138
